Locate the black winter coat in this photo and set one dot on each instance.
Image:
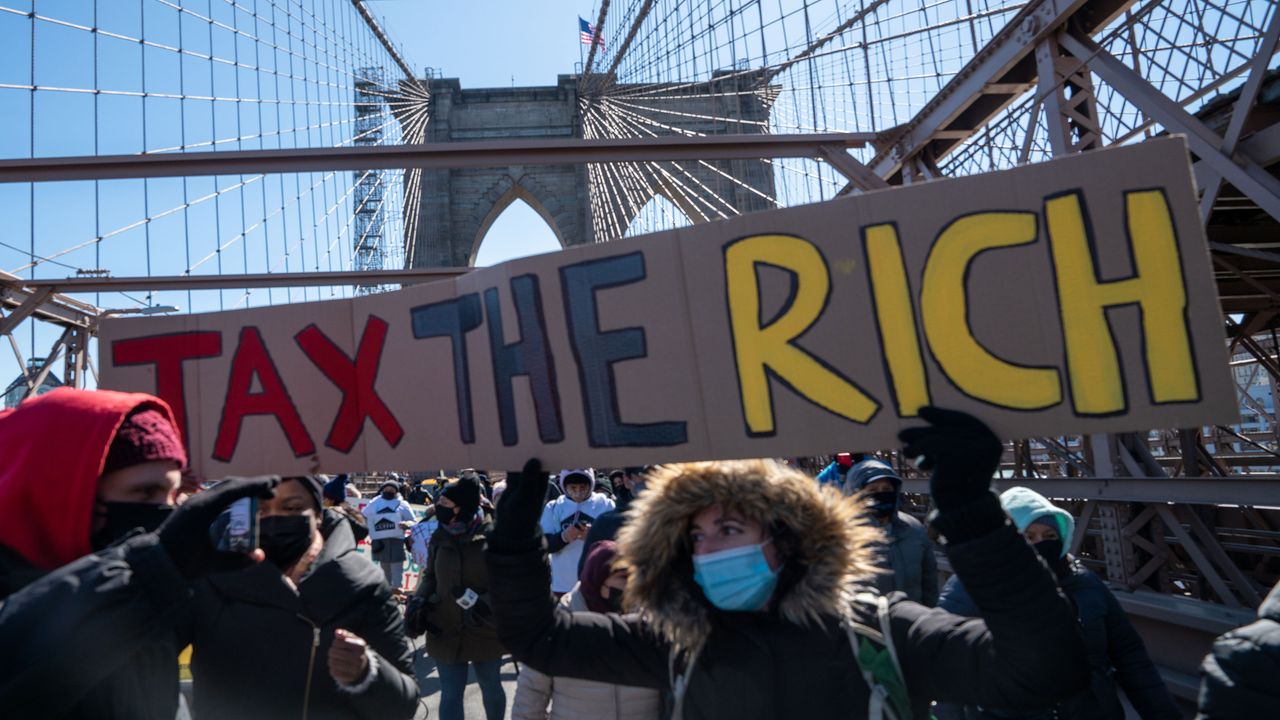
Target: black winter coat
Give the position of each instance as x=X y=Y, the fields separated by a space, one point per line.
x=94 y=638
x=454 y=565
x=1117 y=656
x=260 y=650
x=1242 y=674
x=758 y=665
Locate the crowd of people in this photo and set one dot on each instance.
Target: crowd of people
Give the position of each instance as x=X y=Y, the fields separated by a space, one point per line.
x=737 y=589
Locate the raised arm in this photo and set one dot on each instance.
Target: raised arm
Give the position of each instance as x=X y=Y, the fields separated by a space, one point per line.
x=592 y=646
x=1024 y=651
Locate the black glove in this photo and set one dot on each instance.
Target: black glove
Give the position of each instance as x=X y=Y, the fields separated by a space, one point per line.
x=185 y=534
x=959 y=449
x=963 y=454
x=515 y=527
x=415 y=617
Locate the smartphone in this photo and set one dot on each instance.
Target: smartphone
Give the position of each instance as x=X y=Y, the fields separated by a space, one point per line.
x=238 y=527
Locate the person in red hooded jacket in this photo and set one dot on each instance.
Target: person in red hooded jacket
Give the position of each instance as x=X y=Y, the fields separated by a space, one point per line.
x=96 y=564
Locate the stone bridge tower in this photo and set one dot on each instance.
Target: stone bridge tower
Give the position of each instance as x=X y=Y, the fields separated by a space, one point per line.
x=457 y=207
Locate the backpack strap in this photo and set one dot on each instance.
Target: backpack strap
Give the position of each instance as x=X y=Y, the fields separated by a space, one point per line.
x=679 y=681
x=877 y=659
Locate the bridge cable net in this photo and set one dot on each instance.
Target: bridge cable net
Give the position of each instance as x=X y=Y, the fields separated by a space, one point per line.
x=700 y=67
x=106 y=77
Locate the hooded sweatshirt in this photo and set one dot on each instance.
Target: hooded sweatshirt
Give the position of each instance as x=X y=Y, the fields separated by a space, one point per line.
x=86 y=635
x=385 y=515
x=560 y=514
x=1025 y=506
x=52 y=450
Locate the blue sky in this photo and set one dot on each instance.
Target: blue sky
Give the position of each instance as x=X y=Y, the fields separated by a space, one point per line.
x=488 y=44
x=495 y=44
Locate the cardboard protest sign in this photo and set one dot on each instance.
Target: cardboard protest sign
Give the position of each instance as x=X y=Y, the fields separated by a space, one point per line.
x=1071 y=296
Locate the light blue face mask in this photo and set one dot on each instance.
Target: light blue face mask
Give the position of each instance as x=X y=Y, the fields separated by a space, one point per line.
x=736 y=579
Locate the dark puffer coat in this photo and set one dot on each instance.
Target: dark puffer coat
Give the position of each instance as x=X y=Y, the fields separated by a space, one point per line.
x=260 y=650
x=795 y=660
x=455 y=563
x=1242 y=674
x=92 y=639
x=1117 y=657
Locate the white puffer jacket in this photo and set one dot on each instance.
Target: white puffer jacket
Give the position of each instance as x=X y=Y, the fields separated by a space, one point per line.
x=573 y=699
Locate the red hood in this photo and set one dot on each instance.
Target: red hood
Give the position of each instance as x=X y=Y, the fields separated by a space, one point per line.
x=52 y=449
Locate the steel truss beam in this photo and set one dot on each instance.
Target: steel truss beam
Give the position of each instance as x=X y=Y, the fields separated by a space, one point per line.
x=1002 y=71
x=253 y=280
x=1242 y=172
x=1235 y=490
x=22 y=302
x=442 y=156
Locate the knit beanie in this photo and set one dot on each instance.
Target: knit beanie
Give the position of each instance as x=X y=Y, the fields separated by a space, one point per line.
x=465 y=493
x=335 y=491
x=144 y=436
x=595 y=570
x=312 y=485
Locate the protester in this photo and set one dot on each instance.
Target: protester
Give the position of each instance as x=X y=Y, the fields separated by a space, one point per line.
x=749 y=576
x=606 y=526
x=95 y=563
x=1240 y=674
x=904 y=553
x=617 y=481
x=836 y=472
x=1117 y=657
x=566 y=521
x=337 y=644
x=451 y=603
x=599 y=590
x=335 y=498
x=388 y=516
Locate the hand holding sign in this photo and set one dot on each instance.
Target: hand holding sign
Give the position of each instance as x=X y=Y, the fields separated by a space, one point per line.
x=963 y=454
x=515 y=528
x=1073 y=296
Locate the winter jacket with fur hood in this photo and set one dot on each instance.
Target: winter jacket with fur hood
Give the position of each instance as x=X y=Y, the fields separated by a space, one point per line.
x=794 y=660
x=542 y=697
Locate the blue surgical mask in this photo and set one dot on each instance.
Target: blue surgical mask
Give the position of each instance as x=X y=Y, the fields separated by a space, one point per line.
x=736 y=579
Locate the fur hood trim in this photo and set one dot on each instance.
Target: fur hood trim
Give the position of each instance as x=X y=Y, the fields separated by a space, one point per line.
x=826 y=540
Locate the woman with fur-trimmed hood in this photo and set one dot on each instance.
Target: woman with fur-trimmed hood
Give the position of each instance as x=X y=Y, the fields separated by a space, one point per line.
x=755 y=589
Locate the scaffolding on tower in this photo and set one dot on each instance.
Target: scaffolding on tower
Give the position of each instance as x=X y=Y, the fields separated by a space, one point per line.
x=370 y=109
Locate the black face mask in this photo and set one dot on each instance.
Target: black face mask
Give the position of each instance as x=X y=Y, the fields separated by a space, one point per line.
x=389 y=495
x=445 y=514
x=613 y=600
x=284 y=538
x=123 y=517
x=1050 y=550
x=883 y=503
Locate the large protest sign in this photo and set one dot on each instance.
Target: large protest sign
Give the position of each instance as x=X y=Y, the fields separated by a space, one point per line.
x=1072 y=296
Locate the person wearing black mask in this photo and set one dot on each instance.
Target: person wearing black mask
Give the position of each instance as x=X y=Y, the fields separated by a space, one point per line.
x=1118 y=658
x=539 y=696
x=905 y=553
x=337 y=645
x=97 y=557
x=388 y=516
x=451 y=603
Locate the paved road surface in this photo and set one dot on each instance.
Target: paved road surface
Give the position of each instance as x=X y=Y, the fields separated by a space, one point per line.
x=429 y=687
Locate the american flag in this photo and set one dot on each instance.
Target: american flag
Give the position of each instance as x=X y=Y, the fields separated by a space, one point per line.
x=587 y=33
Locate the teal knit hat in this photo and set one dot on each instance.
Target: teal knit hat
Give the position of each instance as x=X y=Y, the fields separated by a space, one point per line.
x=1026 y=506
